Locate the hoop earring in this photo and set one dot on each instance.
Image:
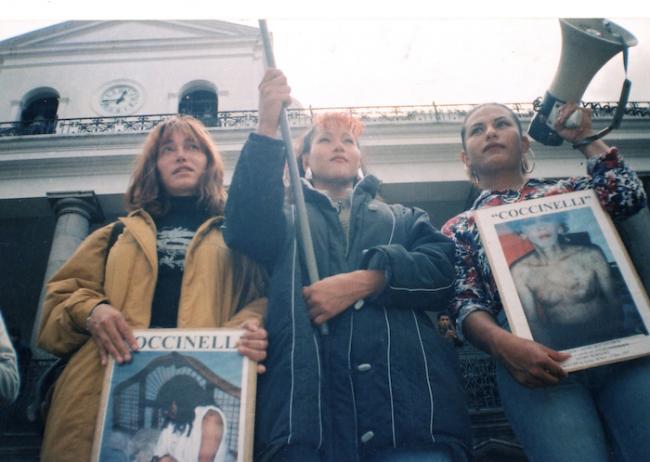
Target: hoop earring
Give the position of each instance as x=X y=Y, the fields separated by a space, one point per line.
x=474 y=176
x=528 y=161
x=308 y=174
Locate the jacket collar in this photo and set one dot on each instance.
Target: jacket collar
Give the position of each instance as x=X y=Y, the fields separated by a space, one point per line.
x=141 y=226
x=368 y=186
x=212 y=221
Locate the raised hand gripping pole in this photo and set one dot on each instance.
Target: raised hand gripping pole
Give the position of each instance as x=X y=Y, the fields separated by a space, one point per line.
x=304 y=232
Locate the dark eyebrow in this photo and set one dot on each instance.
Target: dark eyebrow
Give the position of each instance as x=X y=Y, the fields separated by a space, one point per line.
x=499 y=119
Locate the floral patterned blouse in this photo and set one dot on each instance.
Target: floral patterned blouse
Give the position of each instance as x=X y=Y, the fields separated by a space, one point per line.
x=618 y=189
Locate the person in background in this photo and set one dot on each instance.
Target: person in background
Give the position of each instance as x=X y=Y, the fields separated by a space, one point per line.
x=381 y=386
x=556 y=416
x=9 y=376
x=169 y=268
x=447 y=330
x=23 y=351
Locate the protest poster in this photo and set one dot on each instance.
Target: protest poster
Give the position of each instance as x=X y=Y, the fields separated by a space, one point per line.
x=182 y=384
x=565 y=278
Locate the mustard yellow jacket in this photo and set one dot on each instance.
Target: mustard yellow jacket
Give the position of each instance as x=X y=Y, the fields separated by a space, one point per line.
x=215 y=282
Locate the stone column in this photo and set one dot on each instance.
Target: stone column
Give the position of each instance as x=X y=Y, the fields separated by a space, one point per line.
x=74 y=211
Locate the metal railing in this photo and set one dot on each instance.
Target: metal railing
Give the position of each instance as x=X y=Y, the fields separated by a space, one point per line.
x=302 y=117
x=479 y=375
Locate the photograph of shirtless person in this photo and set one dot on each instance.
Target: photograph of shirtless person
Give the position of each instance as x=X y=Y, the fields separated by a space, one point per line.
x=571 y=295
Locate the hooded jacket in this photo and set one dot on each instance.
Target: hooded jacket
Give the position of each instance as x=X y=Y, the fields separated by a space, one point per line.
x=383 y=377
x=215 y=282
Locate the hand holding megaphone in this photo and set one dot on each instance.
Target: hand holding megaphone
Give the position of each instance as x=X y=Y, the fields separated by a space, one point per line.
x=573 y=120
x=573 y=123
x=587 y=44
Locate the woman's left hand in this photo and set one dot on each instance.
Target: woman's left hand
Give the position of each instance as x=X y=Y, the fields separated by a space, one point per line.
x=253 y=343
x=333 y=295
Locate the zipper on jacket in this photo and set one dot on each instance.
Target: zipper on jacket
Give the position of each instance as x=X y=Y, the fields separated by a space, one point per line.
x=348 y=245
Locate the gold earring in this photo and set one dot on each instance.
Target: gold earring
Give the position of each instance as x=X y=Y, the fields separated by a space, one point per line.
x=528 y=161
x=474 y=174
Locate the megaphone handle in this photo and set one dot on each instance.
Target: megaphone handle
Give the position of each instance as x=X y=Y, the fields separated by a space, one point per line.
x=616 y=121
x=620 y=108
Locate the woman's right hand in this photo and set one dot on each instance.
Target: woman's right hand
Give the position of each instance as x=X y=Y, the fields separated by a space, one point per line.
x=530 y=363
x=111 y=333
x=274 y=94
x=577 y=134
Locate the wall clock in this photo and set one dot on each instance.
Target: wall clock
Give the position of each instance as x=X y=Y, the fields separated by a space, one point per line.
x=120 y=99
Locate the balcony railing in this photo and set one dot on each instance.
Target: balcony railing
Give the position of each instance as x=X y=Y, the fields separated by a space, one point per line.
x=297 y=117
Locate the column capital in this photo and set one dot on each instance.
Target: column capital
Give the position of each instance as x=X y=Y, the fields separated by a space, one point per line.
x=84 y=203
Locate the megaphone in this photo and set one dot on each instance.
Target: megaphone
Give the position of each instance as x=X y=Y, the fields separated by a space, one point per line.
x=587 y=44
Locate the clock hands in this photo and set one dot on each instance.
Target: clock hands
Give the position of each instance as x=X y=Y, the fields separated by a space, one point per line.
x=117 y=100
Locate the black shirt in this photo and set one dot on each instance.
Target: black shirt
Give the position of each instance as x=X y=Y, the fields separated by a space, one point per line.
x=174 y=232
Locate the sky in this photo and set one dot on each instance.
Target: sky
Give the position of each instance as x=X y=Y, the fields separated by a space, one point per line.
x=363 y=53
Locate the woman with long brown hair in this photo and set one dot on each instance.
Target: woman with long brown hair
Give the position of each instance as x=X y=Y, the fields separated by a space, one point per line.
x=169 y=267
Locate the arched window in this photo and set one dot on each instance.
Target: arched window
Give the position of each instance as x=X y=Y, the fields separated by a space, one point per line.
x=201 y=103
x=39 y=113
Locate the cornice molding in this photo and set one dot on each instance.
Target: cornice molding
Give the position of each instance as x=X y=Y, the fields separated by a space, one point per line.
x=399 y=153
x=220 y=30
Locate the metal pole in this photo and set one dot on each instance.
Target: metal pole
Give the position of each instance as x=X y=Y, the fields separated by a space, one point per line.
x=304 y=232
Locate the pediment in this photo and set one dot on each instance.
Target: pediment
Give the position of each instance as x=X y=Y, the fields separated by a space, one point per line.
x=81 y=33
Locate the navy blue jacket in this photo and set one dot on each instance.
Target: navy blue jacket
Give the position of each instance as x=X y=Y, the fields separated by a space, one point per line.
x=383 y=377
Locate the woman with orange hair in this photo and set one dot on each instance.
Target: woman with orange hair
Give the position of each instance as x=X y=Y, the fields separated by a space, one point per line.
x=169 y=267
x=382 y=385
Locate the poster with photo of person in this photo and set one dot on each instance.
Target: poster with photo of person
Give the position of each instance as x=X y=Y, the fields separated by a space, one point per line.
x=186 y=391
x=565 y=278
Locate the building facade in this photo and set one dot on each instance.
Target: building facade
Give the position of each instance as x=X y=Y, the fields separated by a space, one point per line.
x=79 y=97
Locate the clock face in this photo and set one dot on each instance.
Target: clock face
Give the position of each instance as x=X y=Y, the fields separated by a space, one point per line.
x=119 y=99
